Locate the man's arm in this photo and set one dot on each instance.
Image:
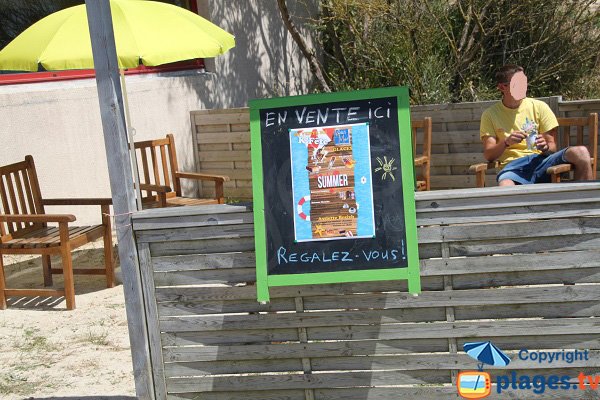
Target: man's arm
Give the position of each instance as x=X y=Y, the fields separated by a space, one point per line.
x=493 y=149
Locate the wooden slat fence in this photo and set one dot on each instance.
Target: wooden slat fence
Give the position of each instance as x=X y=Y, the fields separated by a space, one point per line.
x=518 y=266
x=222 y=138
x=578 y=108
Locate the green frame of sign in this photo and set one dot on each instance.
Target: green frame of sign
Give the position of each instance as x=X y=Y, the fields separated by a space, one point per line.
x=411 y=272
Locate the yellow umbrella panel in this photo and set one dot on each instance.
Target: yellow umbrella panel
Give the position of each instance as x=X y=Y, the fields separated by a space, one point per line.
x=146 y=32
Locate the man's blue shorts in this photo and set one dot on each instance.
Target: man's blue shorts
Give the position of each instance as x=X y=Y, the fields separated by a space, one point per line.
x=532 y=168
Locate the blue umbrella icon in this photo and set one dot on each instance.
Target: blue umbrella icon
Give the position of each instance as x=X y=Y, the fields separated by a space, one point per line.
x=486 y=353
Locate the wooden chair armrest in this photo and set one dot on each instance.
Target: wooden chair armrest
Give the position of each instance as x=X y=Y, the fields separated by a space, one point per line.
x=475 y=168
x=39 y=218
x=558 y=169
x=200 y=176
x=155 y=188
x=479 y=171
x=78 y=202
x=421 y=160
x=161 y=192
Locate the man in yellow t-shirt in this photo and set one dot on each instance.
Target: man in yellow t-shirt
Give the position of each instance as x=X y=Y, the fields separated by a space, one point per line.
x=520 y=133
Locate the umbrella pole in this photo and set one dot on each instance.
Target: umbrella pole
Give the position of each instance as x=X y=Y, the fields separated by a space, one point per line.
x=129 y=128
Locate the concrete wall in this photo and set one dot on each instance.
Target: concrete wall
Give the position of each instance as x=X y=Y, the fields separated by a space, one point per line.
x=59 y=122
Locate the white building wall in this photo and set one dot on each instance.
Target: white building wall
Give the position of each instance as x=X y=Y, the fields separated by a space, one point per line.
x=58 y=123
x=265 y=62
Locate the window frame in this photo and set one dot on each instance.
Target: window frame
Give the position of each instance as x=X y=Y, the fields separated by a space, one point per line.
x=52 y=76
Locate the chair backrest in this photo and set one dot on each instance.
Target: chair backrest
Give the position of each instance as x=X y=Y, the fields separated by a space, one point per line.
x=424 y=125
x=157 y=163
x=19 y=194
x=580 y=131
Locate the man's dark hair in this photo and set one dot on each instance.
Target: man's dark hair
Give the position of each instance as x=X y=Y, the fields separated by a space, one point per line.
x=506 y=72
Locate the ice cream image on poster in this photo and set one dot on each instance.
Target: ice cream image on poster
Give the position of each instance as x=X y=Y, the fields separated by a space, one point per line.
x=332 y=182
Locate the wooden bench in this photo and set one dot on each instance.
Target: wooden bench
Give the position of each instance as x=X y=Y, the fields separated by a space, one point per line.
x=422 y=160
x=160 y=170
x=564 y=138
x=24 y=229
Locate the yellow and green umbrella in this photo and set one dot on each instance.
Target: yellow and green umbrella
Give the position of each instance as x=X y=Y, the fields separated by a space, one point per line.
x=146 y=32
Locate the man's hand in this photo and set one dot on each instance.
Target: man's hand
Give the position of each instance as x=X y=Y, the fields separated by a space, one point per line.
x=541 y=144
x=514 y=138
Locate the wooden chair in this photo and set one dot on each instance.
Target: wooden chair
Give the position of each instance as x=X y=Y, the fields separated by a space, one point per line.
x=564 y=138
x=159 y=171
x=24 y=229
x=422 y=160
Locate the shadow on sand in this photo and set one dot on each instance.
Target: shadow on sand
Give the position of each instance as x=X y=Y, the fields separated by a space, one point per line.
x=27 y=274
x=84 y=398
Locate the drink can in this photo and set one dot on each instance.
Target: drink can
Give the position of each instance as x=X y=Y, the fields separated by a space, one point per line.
x=531 y=141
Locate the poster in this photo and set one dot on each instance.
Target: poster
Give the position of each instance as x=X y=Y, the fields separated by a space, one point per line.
x=331 y=182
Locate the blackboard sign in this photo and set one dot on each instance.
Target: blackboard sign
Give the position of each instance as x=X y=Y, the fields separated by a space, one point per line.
x=333 y=188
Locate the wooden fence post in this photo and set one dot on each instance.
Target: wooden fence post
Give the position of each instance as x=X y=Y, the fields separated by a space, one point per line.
x=309 y=394
x=450 y=317
x=121 y=185
x=554 y=103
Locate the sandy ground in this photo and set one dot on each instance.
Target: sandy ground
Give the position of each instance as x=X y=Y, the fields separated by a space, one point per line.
x=47 y=352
